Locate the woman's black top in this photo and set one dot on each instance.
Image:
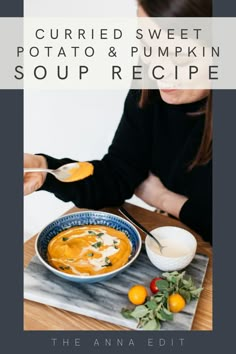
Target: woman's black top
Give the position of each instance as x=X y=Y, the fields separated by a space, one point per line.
x=160 y=138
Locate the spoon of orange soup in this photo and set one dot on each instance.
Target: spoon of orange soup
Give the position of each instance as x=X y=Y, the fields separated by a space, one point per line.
x=71 y=172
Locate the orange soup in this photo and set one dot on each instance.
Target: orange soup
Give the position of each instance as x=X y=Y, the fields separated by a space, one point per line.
x=80 y=171
x=89 y=250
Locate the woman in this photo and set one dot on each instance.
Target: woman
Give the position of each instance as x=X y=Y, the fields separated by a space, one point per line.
x=161 y=150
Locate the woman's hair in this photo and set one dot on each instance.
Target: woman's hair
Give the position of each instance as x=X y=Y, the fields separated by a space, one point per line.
x=177 y=8
x=184 y=8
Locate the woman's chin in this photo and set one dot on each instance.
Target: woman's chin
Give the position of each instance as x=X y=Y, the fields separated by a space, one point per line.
x=171 y=96
x=174 y=96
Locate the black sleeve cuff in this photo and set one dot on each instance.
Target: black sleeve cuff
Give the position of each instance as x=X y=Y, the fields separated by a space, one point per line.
x=198 y=216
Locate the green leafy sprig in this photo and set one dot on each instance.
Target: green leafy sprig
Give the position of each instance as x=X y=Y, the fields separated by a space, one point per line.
x=155 y=310
x=97 y=244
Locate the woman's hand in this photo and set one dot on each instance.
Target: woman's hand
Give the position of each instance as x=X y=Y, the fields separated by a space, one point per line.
x=153 y=192
x=34 y=180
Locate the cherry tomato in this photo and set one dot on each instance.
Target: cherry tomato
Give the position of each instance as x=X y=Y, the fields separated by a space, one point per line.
x=153 y=285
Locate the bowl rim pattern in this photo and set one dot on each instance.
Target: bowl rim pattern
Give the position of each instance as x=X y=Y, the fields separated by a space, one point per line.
x=93 y=213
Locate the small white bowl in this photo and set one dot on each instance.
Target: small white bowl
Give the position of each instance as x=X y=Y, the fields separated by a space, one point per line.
x=180 y=250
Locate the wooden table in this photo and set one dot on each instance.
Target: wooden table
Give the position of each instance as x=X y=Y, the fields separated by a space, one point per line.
x=41 y=317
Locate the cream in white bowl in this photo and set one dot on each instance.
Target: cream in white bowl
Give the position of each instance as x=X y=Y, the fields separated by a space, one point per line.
x=180 y=248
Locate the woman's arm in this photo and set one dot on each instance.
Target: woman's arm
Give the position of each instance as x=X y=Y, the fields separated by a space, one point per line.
x=194 y=210
x=119 y=172
x=153 y=192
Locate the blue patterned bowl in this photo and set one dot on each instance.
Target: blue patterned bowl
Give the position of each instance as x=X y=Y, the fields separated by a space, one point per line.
x=87 y=218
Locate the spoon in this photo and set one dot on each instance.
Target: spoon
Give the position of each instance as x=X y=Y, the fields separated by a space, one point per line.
x=62 y=173
x=135 y=222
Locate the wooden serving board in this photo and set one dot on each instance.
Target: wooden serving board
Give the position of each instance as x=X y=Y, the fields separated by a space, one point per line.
x=105 y=300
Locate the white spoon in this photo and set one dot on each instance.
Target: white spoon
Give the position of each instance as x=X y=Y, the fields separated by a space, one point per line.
x=141 y=227
x=62 y=173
